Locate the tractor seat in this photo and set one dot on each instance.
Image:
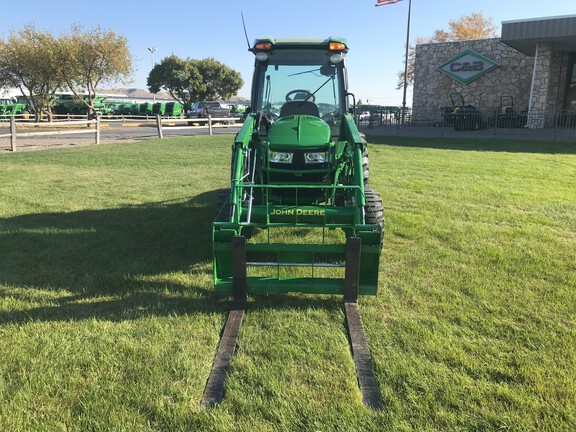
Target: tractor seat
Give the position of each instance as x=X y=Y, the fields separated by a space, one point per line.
x=298 y=107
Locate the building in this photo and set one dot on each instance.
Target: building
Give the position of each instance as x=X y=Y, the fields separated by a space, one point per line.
x=531 y=66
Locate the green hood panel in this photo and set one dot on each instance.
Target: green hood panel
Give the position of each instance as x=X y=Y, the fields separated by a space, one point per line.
x=299 y=130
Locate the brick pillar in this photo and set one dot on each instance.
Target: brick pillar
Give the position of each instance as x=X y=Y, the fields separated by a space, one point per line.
x=545 y=84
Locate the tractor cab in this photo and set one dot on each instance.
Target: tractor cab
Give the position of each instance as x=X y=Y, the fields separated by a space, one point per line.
x=300 y=77
x=299 y=96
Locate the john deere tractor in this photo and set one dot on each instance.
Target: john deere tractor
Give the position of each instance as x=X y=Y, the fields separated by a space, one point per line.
x=299 y=215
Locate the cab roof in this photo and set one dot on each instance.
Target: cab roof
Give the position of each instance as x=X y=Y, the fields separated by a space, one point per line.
x=313 y=43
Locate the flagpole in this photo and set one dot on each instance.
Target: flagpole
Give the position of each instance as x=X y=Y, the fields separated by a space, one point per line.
x=406 y=62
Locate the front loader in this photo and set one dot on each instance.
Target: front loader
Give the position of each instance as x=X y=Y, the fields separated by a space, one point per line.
x=299 y=215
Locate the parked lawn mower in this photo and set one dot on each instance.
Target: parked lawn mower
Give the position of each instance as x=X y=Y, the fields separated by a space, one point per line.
x=463 y=117
x=299 y=215
x=506 y=115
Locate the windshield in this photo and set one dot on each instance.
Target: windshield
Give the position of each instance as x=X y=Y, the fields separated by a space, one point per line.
x=298 y=75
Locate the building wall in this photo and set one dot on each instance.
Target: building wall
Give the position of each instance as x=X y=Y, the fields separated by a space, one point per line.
x=432 y=88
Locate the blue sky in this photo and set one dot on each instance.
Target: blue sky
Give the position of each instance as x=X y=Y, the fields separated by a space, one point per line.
x=200 y=29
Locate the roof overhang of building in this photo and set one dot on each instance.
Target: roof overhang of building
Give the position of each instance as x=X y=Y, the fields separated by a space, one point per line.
x=524 y=35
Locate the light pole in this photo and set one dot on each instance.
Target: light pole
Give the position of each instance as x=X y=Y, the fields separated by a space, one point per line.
x=152 y=51
x=406 y=63
x=389 y=2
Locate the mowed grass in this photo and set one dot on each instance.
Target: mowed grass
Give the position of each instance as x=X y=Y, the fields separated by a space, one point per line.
x=109 y=322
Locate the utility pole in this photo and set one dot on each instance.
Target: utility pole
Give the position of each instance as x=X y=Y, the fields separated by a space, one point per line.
x=152 y=51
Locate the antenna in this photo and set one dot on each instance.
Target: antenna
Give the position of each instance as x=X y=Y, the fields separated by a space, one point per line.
x=245 y=32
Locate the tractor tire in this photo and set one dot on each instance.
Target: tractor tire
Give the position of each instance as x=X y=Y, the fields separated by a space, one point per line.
x=365 y=167
x=374 y=210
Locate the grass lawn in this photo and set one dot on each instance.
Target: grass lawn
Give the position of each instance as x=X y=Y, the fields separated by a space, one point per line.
x=109 y=322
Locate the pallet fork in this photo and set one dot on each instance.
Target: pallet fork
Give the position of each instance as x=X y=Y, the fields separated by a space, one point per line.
x=214 y=390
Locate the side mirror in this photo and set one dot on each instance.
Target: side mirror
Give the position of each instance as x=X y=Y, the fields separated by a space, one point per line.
x=352 y=110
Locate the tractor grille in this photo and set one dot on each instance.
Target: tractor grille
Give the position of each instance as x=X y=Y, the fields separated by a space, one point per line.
x=299 y=176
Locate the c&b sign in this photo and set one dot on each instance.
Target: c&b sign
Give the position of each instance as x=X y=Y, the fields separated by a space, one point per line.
x=467 y=66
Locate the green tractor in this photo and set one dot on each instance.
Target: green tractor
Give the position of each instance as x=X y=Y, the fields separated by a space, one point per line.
x=5 y=106
x=77 y=105
x=13 y=107
x=299 y=215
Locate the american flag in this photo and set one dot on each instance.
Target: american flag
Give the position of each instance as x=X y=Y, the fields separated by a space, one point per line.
x=386 y=2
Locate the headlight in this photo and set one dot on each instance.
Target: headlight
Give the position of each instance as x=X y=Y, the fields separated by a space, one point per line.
x=280 y=157
x=316 y=157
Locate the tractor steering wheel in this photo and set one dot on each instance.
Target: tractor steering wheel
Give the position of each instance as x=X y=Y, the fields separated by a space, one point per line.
x=303 y=93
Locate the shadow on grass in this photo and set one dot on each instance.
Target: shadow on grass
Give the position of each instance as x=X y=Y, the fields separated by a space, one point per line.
x=477 y=144
x=113 y=264
x=119 y=264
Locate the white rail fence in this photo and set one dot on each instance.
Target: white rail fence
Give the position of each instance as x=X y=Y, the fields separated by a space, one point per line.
x=211 y=123
x=88 y=129
x=94 y=126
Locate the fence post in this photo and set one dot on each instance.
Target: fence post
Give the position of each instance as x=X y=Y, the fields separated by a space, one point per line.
x=159 y=126
x=209 y=124
x=97 y=128
x=12 y=134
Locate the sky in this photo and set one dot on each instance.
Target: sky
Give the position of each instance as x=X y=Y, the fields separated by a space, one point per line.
x=199 y=29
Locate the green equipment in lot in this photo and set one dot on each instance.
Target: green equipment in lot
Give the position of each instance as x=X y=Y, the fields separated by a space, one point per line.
x=174 y=109
x=299 y=215
x=5 y=106
x=145 y=108
x=78 y=105
x=12 y=107
x=159 y=108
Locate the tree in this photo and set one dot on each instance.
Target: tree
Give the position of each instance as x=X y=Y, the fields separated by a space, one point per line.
x=190 y=80
x=29 y=61
x=39 y=64
x=175 y=75
x=467 y=27
x=92 y=57
x=218 y=80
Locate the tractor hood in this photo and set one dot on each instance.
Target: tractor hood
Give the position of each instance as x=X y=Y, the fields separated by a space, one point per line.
x=299 y=131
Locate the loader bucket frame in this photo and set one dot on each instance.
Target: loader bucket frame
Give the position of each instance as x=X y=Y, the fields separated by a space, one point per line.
x=324 y=216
